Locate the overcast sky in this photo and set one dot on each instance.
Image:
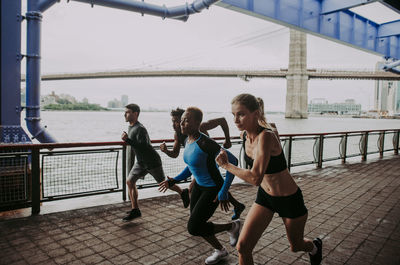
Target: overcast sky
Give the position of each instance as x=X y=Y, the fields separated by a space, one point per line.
x=78 y=38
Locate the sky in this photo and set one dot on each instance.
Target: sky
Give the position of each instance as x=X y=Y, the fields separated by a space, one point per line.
x=79 y=38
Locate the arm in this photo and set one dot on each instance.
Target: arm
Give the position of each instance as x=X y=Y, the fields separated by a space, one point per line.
x=141 y=139
x=211 y=124
x=174 y=153
x=166 y=184
x=256 y=173
x=183 y=175
x=223 y=193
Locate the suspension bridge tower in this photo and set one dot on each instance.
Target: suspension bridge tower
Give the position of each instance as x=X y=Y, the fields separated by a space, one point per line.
x=297 y=78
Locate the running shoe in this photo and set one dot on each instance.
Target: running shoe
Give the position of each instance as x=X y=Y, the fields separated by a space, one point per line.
x=234 y=233
x=185 y=197
x=216 y=256
x=237 y=211
x=134 y=213
x=317 y=258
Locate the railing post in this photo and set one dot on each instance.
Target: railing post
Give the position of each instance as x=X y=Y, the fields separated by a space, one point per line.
x=381 y=142
x=35 y=181
x=124 y=172
x=320 y=150
x=288 y=151
x=343 y=148
x=364 y=146
x=396 y=142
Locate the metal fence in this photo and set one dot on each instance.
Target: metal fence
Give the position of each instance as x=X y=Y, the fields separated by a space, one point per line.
x=36 y=173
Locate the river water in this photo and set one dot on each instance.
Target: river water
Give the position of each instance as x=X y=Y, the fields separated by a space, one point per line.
x=101 y=126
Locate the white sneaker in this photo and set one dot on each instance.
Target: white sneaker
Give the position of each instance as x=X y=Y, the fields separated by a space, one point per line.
x=234 y=232
x=216 y=256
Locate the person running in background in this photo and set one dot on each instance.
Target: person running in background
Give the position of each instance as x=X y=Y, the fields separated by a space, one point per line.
x=147 y=159
x=277 y=192
x=210 y=188
x=179 y=139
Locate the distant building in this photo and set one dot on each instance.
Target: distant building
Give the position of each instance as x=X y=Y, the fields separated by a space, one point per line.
x=115 y=103
x=124 y=100
x=49 y=99
x=53 y=98
x=322 y=106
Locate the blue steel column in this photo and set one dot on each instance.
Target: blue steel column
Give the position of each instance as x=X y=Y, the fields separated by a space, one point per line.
x=10 y=73
x=34 y=20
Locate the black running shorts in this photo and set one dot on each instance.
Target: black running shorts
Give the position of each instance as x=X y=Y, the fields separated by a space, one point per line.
x=291 y=206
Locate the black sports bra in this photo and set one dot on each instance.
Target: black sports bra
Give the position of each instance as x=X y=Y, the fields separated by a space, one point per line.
x=276 y=163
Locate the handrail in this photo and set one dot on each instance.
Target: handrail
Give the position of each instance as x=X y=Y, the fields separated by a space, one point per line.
x=34 y=153
x=86 y=144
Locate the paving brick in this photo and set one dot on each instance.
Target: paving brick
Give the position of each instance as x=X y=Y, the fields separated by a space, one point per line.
x=354 y=208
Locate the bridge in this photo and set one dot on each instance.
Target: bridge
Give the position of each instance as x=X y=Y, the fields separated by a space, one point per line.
x=244 y=74
x=334 y=20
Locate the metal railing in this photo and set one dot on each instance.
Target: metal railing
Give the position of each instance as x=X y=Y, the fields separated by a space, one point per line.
x=31 y=174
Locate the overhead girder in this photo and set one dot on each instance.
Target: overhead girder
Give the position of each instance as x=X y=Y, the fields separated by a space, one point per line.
x=329 y=19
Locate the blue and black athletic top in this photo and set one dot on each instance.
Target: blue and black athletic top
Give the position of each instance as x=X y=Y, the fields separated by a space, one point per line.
x=199 y=157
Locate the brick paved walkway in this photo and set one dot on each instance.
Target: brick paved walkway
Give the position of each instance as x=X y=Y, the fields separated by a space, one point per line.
x=354 y=208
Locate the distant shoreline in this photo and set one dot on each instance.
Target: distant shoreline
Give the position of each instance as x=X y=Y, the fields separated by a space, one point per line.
x=103 y=110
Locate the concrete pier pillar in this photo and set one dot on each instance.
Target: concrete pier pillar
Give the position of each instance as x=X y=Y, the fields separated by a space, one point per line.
x=297 y=78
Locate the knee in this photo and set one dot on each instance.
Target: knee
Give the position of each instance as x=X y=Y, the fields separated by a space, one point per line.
x=193 y=229
x=130 y=183
x=198 y=228
x=243 y=247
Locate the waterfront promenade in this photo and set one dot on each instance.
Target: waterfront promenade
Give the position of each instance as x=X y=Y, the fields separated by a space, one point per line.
x=354 y=208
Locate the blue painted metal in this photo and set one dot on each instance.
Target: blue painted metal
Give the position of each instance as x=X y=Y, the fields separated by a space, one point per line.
x=329 y=19
x=34 y=20
x=332 y=6
x=391 y=67
x=181 y=12
x=42 y=5
x=10 y=73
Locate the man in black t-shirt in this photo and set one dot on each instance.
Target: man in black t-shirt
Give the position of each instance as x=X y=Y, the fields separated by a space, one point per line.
x=147 y=159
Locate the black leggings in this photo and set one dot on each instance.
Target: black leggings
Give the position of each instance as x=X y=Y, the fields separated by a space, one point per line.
x=202 y=207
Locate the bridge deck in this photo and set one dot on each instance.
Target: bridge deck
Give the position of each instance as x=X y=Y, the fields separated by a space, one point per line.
x=354 y=207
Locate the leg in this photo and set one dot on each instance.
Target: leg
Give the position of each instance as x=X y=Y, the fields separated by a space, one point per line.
x=257 y=220
x=183 y=193
x=177 y=189
x=238 y=207
x=133 y=193
x=159 y=176
x=213 y=241
x=135 y=173
x=202 y=207
x=295 y=234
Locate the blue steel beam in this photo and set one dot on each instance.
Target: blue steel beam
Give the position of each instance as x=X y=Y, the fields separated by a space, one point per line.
x=10 y=73
x=180 y=12
x=331 y=6
x=328 y=19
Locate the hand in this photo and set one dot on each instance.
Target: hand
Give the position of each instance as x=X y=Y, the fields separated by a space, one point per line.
x=163 y=147
x=222 y=158
x=227 y=143
x=164 y=186
x=124 y=136
x=224 y=204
